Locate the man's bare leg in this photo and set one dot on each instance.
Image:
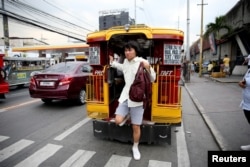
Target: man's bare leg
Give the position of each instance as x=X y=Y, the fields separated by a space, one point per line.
x=136 y=137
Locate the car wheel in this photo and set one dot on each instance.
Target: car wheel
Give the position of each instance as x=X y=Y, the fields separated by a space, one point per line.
x=82 y=97
x=47 y=101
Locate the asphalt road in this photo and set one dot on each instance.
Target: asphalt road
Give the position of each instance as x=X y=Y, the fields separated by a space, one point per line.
x=35 y=134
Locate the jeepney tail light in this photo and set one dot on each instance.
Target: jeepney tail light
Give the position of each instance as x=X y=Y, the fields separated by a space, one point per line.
x=65 y=81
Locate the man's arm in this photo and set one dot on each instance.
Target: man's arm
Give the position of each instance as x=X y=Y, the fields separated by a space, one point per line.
x=246 y=60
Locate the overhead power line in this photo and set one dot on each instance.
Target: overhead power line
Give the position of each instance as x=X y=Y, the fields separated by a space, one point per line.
x=29 y=15
x=43 y=26
x=44 y=14
x=56 y=6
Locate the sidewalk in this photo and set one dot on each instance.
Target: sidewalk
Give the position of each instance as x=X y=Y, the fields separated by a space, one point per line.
x=218 y=103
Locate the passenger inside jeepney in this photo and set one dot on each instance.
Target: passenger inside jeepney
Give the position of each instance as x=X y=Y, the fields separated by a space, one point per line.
x=7 y=67
x=118 y=75
x=13 y=65
x=159 y=61
x=120 y=59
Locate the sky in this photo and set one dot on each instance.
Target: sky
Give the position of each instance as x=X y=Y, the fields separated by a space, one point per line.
x=156 y=13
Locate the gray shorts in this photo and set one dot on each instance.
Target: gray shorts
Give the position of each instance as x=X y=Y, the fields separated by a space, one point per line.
x=136 y=113
x=226 y=69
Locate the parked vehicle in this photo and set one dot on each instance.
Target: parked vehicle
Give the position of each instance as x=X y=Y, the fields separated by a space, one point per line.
x=66 y=80
x=4 y=86
x=205 y=66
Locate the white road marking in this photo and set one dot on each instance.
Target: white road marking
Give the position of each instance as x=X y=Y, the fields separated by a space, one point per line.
x=182 y=152
x=2 y=110
x=79 y=158
x=18 y=105
x=40 y=156
x=14 y=148
x=72 y=129
x=118 y=161
x=154 y=163
x=2 y=138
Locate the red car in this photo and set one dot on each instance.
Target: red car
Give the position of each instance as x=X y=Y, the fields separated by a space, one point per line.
x=66 y=80
x=4 y=86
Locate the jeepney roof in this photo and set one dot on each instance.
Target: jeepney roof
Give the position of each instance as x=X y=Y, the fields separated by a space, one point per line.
x=150 y=33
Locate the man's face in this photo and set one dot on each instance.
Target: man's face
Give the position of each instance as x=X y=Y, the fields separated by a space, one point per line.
x=130 y=53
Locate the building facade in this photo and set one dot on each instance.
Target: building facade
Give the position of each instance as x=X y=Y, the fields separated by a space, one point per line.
x=22 y=42
x=235 y=44
x=111 y=18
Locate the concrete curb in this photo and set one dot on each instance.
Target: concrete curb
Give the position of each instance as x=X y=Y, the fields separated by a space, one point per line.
x=231 y=79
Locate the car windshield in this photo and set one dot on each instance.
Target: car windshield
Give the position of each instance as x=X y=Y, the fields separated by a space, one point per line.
x=61 y=68
x=87 y=68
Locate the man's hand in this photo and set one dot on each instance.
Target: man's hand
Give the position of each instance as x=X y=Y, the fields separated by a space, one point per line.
x=242 y=84
x=146 y=65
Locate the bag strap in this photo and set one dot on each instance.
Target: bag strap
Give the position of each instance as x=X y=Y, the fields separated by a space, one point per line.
x=139 y=69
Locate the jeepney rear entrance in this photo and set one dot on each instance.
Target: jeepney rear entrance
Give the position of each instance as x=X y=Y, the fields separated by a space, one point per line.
x=162 y=48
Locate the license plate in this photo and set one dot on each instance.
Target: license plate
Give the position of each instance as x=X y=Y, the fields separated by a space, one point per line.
x=47 y=83
x=21 y=75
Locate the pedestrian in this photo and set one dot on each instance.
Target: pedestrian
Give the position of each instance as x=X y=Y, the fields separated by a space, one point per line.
x=245 y=103
x=226 y=62
x=159 y=61
x=210 y=67
x=185 y=68
x=247 y=60
x=128 y=109
x=192 y=68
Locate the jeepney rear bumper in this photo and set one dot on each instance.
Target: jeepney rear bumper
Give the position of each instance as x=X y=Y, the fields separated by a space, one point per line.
x=157 y=133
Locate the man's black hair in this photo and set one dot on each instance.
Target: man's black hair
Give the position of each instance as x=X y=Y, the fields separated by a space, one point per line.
x=134 y=45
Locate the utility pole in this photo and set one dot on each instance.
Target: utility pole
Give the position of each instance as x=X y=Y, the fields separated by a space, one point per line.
x=201 y=40
x=187 y=77
x=188 y=23
x=135 y=12
x=5 y=31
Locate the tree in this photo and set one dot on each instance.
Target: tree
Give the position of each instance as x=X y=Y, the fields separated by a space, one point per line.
x=220 y=23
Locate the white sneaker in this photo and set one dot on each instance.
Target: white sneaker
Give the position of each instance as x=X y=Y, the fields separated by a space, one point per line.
x=245 y=148
x=136 y=153
x=112 y=120
x=125 y=120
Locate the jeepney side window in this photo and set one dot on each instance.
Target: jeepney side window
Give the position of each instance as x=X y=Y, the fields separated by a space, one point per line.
x=94 y=55
x=172 y=54
x=7 y=66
